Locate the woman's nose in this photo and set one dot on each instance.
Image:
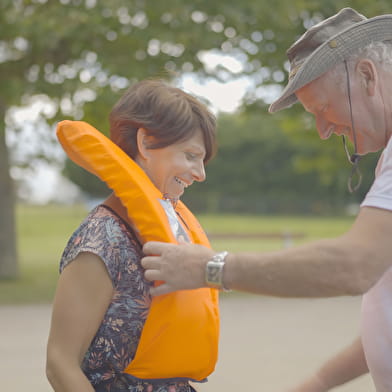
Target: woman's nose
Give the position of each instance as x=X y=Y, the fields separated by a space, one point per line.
x=199 y=173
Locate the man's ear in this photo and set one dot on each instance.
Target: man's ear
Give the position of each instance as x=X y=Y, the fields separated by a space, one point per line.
x=142 y=143
x=368 y=74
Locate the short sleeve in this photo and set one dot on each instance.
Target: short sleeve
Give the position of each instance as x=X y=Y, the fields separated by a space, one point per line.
x=380 y=193
x=104 y=235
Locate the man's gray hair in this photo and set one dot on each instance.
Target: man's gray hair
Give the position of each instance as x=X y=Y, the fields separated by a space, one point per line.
x=379 y=52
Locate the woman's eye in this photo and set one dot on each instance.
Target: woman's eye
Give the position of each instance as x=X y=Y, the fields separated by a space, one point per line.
x=190 y=155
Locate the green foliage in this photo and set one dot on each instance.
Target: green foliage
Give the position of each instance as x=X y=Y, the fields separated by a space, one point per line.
x=61 y=47
x=272 y=164
x=80 y=55
x=91 y=184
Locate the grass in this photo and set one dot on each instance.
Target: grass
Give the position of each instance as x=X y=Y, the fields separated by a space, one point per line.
x=44 y=230
x=307 y=228
x=42 y=234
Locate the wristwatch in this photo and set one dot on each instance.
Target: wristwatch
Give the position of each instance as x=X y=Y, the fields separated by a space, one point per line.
x=214 y=271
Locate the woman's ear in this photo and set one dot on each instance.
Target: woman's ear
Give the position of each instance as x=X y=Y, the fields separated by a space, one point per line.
x=368 y=74
x=142 y=143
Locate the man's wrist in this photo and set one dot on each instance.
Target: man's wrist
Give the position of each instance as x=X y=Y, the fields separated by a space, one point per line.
x=214 y=271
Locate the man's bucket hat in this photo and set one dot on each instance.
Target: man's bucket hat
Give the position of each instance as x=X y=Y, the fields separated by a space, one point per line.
x=327 y=44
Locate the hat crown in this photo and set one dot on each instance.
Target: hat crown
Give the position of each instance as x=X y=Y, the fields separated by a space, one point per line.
x=320 y=33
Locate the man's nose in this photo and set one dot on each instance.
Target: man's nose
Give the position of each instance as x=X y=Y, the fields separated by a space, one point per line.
x=323 y=127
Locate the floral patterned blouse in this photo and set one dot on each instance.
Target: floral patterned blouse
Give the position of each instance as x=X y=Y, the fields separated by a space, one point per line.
x=105 y=234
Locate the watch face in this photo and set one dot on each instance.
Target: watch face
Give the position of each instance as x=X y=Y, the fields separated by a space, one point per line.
x=214 y=273
x=214 y=270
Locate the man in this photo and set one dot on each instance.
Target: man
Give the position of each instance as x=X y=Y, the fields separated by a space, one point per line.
x=341 y=72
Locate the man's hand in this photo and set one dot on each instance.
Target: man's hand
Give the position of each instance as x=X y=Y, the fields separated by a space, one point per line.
x=180 y=267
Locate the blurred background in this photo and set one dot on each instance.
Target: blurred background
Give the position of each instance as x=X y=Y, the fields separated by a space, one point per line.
x=273 y=183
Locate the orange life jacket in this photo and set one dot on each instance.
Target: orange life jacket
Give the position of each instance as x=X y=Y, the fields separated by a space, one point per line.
x=180 y=336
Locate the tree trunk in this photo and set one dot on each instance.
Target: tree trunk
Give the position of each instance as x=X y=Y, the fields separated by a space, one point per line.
x=8 y=255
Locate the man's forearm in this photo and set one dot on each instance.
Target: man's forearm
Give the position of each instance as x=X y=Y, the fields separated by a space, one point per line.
x=318 y=269
x=324 y=268
x=347 y=365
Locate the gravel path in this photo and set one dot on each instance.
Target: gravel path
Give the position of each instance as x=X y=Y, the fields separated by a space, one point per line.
x=267 y=344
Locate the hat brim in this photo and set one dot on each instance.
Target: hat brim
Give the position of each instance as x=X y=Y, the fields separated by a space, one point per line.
x=332 y=52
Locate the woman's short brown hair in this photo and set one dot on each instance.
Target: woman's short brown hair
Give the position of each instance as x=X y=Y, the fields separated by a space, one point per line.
x=167 y=113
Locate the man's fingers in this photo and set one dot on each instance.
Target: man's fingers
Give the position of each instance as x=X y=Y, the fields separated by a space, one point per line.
x=155 y=247
x=164 y=262
x=159 y=290
x=152 y=275
x=150 y=262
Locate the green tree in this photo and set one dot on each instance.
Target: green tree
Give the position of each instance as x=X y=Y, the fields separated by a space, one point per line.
x=80 y=54
x=270 y=165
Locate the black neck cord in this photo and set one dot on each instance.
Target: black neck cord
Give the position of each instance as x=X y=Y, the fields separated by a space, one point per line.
x=355 y=157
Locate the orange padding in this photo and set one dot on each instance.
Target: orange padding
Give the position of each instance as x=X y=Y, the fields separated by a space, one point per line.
x=96 y=153
x=181 y=333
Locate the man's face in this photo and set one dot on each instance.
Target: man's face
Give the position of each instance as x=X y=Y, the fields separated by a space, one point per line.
x=327 y=99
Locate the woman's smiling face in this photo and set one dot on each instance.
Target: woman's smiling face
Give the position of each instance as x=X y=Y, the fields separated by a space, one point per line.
x=175 y=167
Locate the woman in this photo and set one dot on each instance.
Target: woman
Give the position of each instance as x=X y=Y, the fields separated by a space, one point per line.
x=102 y=299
